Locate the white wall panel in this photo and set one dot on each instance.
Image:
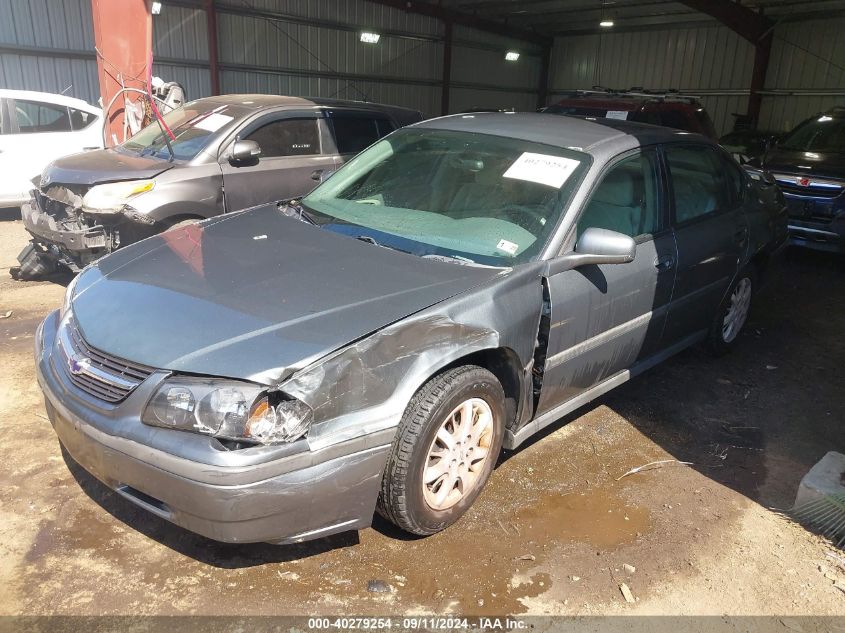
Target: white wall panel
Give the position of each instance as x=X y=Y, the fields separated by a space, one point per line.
x=259 y=42
x=74 y=77
x=476 y=65
x=180 y=33
x=709 y=58
x=806 y=56
x=358 y=13
x=423 y=98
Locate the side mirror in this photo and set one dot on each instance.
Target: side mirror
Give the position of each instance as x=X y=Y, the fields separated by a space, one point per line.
x=322 y=175
x=595 y=246
x=245 y=152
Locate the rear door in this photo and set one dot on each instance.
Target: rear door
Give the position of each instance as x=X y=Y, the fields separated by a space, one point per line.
x=606 y=318
x=39 y=133
x=711 y=232
x=292 y=159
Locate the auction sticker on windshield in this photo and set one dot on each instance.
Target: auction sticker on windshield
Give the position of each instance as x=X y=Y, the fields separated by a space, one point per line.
x=214 y=122
x=544 y=169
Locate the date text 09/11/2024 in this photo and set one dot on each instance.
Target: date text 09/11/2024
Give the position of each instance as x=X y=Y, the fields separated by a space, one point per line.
x=418 y=623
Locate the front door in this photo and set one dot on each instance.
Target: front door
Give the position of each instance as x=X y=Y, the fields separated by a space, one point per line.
x=290 y=165
x=606 y=318
x=711 y=232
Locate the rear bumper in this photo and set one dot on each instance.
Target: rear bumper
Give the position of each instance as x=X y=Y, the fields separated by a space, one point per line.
x=301 y=495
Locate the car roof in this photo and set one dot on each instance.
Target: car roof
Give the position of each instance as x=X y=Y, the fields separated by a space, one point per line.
x=597 y=137
x=630 y=100
x=49 y=97
x=261 y=101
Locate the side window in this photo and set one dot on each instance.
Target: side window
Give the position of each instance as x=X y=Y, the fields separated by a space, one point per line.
x=353 y=134
x=35 y=116
x=700 y=186
x=79 y=119
x=385 y=127
x=287 y=137
x=627 y=199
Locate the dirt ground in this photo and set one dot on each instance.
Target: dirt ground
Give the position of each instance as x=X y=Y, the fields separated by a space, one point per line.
x=551 y=533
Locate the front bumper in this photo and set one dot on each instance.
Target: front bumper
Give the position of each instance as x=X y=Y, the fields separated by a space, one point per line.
x=815 y=224
x=278 y=494
x=44 y=228
x=818 y=236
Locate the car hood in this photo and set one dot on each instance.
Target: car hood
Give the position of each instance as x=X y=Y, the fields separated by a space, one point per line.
x=103 y=165
x=255 y=295
x=822 y=165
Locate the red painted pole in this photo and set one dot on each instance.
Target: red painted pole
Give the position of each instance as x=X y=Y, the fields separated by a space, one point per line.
x=123 y=37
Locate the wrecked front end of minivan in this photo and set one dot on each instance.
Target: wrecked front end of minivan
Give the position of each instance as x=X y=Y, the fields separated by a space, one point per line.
x=75 y=224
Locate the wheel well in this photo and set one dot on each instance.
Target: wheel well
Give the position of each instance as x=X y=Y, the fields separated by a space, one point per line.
x=503 y=363
x=173 y=220
x=760 y=262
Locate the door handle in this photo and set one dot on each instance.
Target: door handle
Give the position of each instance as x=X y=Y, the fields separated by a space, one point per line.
x=317 y=174
x=664 y=263
x=741 y=235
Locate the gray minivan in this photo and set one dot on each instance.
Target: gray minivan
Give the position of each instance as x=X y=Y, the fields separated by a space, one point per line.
x=222 y=154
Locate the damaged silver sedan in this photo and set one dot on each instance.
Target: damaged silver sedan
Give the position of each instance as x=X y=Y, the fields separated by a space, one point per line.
x=282 y=373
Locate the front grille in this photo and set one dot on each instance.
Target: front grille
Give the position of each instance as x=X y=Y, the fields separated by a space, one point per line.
x=808 y=186
x=96 y=373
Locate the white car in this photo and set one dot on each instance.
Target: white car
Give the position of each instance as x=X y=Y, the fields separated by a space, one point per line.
x=37 y=128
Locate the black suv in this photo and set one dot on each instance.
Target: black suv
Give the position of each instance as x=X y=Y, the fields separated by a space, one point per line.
x=809 y=166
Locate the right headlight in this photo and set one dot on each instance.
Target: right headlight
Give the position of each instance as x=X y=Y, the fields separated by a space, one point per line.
x=113 y=196
x=228 y=409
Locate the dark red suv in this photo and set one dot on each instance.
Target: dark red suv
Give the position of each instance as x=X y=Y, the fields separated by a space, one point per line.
x=669 y=109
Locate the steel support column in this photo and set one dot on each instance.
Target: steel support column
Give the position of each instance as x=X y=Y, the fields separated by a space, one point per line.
x=213 y=63
x=447 y=68
x=762 y=53
x=543 y=85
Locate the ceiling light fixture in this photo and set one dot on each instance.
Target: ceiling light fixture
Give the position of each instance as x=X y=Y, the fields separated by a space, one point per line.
x=606 y=23
x=156 y=8
x=511 y=56
x=370 y=38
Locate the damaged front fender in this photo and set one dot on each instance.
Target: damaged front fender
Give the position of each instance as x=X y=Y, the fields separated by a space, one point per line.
x=365 y=387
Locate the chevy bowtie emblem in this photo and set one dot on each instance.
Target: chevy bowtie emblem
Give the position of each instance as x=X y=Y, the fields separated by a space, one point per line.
x=804 y=182
x=78 y=365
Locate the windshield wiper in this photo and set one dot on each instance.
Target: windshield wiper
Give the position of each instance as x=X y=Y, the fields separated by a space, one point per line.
x=465 y=261
x=293 y=209
x=371 y=240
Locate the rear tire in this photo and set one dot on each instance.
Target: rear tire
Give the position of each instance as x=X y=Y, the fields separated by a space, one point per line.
x=732 y=314
x=444 y=451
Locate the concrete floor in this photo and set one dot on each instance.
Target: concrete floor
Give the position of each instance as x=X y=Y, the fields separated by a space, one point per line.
x=549 y=535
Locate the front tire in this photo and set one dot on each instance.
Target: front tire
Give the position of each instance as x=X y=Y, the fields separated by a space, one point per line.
x=732 y=314
x=444 y=451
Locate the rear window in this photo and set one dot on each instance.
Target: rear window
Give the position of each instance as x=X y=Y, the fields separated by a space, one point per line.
x=79 y=119
x=356 y=133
